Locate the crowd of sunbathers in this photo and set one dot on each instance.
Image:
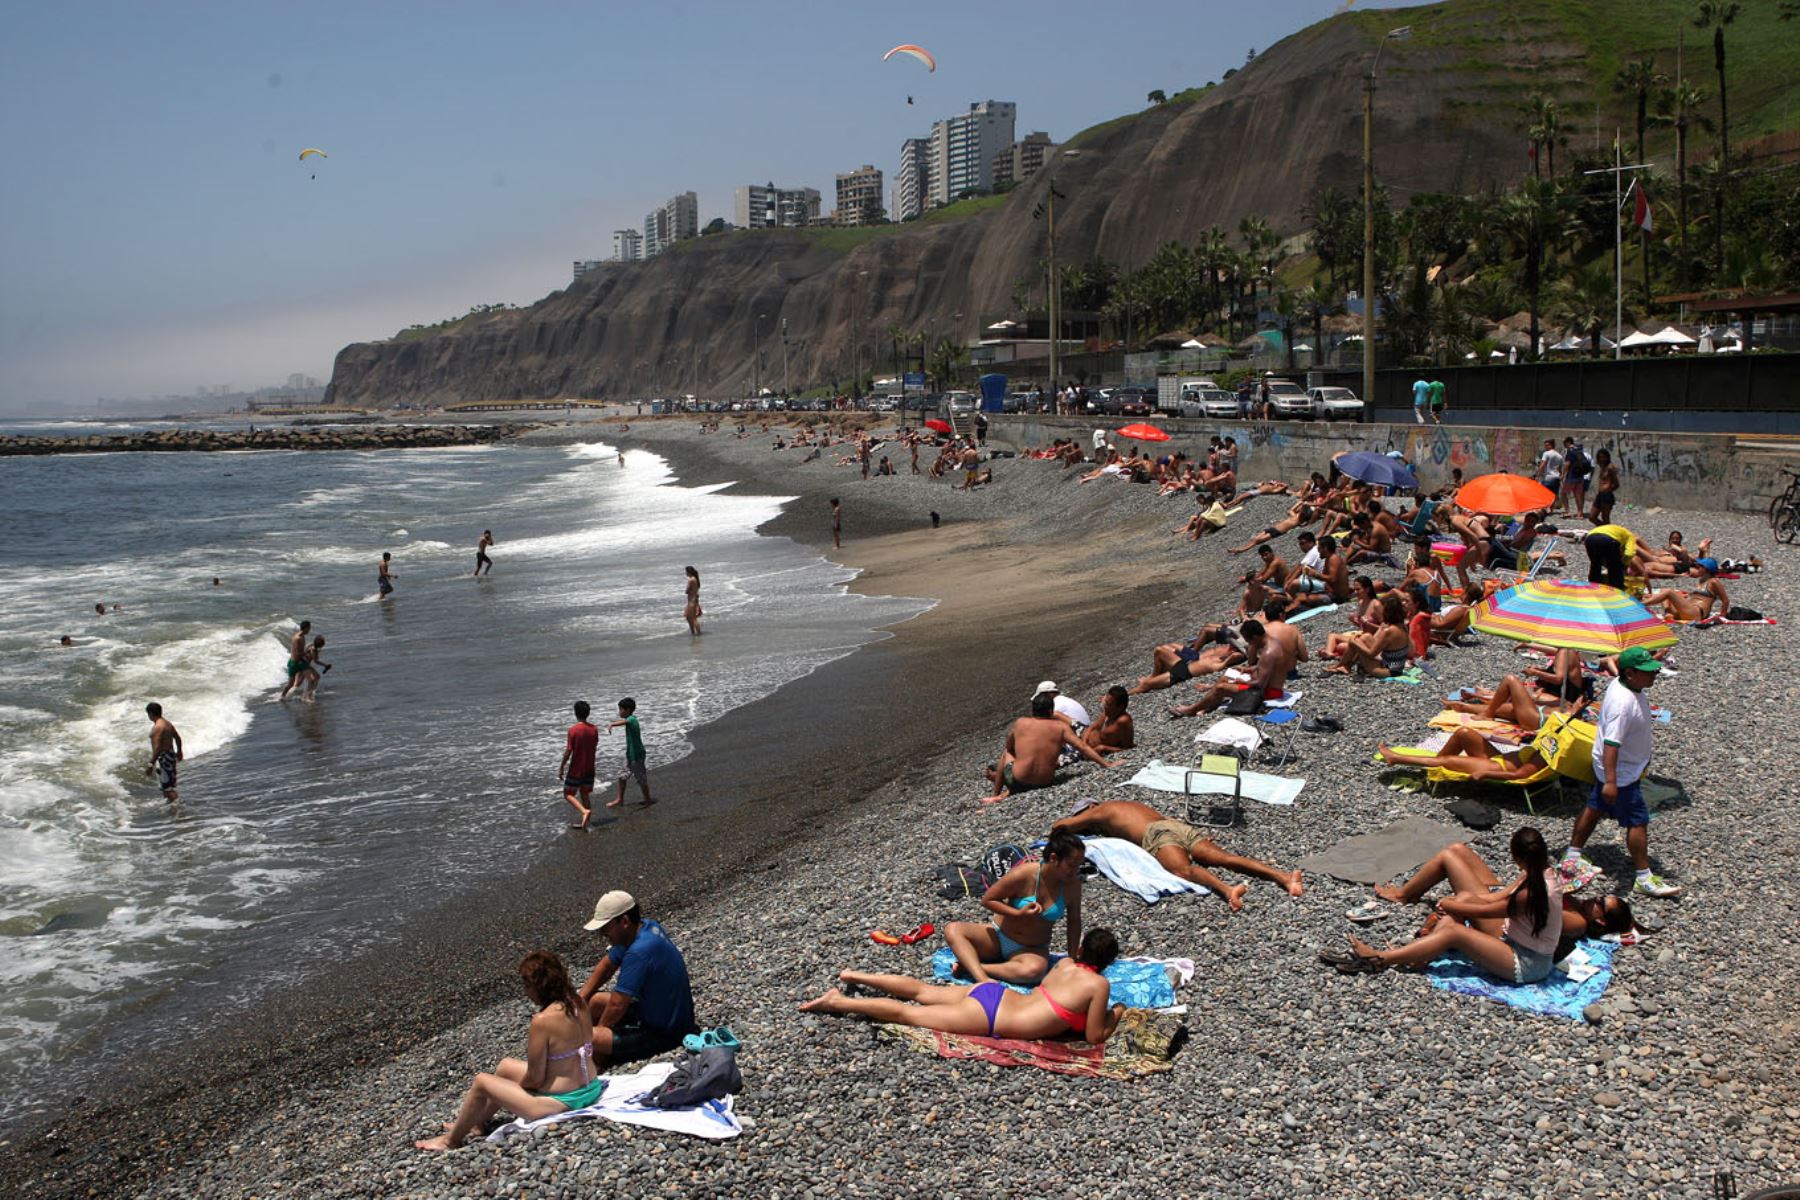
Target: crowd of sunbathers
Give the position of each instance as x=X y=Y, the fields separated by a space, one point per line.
x=872 y=454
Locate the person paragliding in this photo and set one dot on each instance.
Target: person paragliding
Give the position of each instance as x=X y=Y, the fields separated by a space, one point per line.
x=313 y=150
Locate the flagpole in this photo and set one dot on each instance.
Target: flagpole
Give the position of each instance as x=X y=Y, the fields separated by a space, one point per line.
x=1618 y=253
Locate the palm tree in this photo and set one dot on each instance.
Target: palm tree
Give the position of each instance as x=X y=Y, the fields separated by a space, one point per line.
x=1210 y=252
x=1716 y=15
x=1584 y=302
x=896 y=334
x=1320 y=301
x=1255 y=232
x=1546 y=131
x=1528 y=219
x=1711 y=177
x=946 y=356
x=1680 y=103
x=1639 y=79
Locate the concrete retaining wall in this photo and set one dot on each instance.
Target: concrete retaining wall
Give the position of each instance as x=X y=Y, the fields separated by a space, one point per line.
x=1705 y=472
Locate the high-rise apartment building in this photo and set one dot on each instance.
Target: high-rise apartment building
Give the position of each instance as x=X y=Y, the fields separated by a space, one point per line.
x=858 y=196
x=677 y=220
x=762 y=206
x=961 y=157
x=628 y=245
x=1021 y=160
x=912 y=184
x=584 y=266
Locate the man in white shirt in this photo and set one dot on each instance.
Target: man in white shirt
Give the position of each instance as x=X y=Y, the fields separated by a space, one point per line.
x=1069 y=710
x=1550 y=467
x=1621 y=756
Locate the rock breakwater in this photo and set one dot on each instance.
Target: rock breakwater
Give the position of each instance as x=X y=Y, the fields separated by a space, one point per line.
x=384 y=437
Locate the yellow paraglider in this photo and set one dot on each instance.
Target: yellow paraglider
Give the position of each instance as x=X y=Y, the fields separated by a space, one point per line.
x=312 y=150
x=918 y=52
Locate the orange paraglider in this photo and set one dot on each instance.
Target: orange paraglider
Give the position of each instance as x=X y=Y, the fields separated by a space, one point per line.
x=918 y=52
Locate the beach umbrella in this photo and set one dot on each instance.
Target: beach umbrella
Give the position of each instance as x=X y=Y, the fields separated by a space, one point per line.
x=1142 y=433
x=1571 y=613
x=938 y=424
x=1504 y=495
x=1377 y=469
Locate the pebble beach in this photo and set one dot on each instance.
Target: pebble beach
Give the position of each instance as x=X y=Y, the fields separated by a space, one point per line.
x=1293 y=1080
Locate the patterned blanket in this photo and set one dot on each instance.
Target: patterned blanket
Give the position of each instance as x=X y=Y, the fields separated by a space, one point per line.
x=1142 y=1045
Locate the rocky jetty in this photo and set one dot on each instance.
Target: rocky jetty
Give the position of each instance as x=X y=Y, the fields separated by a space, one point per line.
x=383 y=437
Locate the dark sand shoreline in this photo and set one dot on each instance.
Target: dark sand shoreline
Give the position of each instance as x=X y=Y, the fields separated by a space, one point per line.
x=802 y=759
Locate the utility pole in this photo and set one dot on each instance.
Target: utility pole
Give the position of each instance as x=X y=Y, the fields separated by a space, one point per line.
x=856 y=332
x=787 y=383
x=1617 y=171
x=1055 y=283
x=756 y=366
x=1368 y=300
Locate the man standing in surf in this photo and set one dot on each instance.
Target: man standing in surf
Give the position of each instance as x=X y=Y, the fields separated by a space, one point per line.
x=481 y=549
x=296 y=663
x=837 y=524
x=384 y=578
x=634 y=754
x=577 y=766
x=165 y=752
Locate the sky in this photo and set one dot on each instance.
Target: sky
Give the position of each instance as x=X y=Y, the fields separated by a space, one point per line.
x=158 y=233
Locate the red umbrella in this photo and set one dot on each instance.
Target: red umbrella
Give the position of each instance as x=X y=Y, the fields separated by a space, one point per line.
x=1143 y=433
x=938 y=424
x=1504 y=495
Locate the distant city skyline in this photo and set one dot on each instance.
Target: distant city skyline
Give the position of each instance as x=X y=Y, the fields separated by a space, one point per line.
x=158 y=231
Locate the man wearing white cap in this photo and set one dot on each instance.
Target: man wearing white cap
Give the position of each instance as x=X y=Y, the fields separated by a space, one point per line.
x=1070 y=710
x=651 y=1005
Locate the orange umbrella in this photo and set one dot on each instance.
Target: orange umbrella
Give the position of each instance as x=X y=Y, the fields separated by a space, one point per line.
x=1504 y=495
x=1143 y=433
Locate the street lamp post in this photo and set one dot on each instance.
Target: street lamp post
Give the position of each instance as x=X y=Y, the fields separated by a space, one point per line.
x=1048 y=211
x=856 y=332
x=1368 y=346
x=787 y=385
x=756 y=364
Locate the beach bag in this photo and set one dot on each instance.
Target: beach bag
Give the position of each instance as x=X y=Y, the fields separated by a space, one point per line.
x=1576 y=464
x=1738 y=612
x=957 y=882
x=711 y=1074
x=1000 y=860
x=1567 y=746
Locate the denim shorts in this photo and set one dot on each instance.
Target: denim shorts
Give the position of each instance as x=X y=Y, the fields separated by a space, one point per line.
x=1628 y=810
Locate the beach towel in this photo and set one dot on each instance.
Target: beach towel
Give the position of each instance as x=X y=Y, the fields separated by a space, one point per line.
x=1136 y=982
x=1709 y=622
x=1229 y=731
x=1143 y=1044
x=1413 y=676
x=713 y=1120
x=1575 y=983
x=1136 y=870
x=1268 y=789
x=1487 y=727
x=1310 y=613
x=1380 y=856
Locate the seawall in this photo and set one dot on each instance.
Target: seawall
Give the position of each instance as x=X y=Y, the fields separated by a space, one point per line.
x=1701 y=471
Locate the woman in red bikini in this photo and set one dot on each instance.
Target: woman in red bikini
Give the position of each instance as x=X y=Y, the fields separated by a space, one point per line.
x=1073 y=999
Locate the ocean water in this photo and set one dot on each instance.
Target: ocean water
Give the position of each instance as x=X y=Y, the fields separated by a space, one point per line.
x=431 y=749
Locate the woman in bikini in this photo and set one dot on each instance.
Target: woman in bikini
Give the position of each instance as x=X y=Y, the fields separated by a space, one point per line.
x=693 y=612
x=557 y=1072
x=1026 y=902
x=1300 y=514
x=1379 y=654
x=1511 y=933
x=1074 y=998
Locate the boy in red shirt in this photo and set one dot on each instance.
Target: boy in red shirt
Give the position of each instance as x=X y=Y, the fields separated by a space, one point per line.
x=577 y=769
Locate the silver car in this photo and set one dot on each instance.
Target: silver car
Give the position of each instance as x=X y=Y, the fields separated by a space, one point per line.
x=1213 y=403
x=1289 y=399
x=1334 y=402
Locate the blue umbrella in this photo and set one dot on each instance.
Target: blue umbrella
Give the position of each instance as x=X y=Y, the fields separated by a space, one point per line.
x=1377 y=469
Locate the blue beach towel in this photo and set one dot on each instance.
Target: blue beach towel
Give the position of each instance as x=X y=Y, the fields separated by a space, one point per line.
x=1134 y=984
x=1557 y=996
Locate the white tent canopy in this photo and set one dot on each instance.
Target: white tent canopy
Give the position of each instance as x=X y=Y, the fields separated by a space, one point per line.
x=1671 y=336
x=1193 y=344
x=1638 y=338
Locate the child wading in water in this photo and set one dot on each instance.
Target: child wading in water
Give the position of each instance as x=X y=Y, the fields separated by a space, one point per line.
x=634 y=753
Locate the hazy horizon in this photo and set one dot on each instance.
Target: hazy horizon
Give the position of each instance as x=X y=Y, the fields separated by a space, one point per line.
x=159 y=234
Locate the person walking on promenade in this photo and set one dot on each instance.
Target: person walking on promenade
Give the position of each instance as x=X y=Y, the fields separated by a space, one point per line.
x=1421 y=390
x=165 y=752
x=1622 y=746
x=634 y=754
x=1440 y=404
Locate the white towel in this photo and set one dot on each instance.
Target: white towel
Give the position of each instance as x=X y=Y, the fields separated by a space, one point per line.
x=1269 y=789
x=1136 y=870
x=713 y=1119
x=1229 y=731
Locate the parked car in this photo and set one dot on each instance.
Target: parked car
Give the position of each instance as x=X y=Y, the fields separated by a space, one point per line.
x=1016 y=402
x=1131 y=402
x=1289 y=399
x=1210 y=402
x=960 y=402
x=1332 y=403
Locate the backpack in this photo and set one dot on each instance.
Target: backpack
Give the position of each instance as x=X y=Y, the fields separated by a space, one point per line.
x=1738 y=612
x=1575 y=462
x=957 y=882
x=999 y=860
x=711 y=1074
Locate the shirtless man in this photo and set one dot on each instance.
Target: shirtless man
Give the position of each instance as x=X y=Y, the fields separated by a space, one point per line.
x=1272 y=576
x=1369 y=542
x=165 y=752
x=1033 y=745
x=1179 y=662
x=1328 y=583
x=296 y=663
x=1182 y=850
x=1289 y=637
x=1300 y=514
x=1468 y=753
x=481 y=549
x=1112 y=731
x=384 y=576
x=1270 y=661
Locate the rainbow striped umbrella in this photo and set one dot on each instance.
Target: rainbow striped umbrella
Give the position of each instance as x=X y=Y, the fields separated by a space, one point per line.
x=1572 y=613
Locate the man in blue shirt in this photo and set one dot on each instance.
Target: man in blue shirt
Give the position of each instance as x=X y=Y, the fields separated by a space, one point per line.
x=1421 y=396
x=650 y=1007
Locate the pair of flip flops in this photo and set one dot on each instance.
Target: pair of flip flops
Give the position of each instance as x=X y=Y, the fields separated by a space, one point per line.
x=1365 y=914
x=918 y=934
x=694 y=1043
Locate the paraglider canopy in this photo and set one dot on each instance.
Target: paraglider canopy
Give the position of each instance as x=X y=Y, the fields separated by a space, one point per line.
x=918 y=52
x=312 y=150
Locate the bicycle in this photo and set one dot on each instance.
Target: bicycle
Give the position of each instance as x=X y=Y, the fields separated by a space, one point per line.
x=1784 y=510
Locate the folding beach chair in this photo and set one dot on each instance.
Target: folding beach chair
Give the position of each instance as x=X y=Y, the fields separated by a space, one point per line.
x=1278 y=726
x=1524 y=573
x=1566 y=747
x=1218 y=816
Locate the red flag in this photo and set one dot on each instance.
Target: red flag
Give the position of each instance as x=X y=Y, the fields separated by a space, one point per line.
x=1640 y=216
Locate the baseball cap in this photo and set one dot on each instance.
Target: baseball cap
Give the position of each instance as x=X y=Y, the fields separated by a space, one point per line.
x=613 y=905
x=1711 y=564
x=1638 y=659
x=1049 y=685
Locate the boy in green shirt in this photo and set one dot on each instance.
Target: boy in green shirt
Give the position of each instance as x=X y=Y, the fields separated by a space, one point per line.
x=634 y=753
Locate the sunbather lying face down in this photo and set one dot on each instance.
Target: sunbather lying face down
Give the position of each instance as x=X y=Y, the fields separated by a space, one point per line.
x=1183 y=851
x=1511 y=934
x=1468 y=753
x=1026 y=902
x=1073 y=999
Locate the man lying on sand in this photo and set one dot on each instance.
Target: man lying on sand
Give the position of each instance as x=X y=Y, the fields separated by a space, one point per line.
x=1181 y=849
x=1033 y=745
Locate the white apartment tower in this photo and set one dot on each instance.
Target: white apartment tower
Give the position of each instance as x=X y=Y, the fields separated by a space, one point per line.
x=762 y=206
x=628 y=245
x=677 y=220
x=962 y=149
x=912 y=184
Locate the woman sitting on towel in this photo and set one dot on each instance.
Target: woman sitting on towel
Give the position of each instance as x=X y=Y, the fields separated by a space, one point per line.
x=1026 y=902
x=1379 y=654
x=1073 y=999
x=1511 y=934
x=557 y=1072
